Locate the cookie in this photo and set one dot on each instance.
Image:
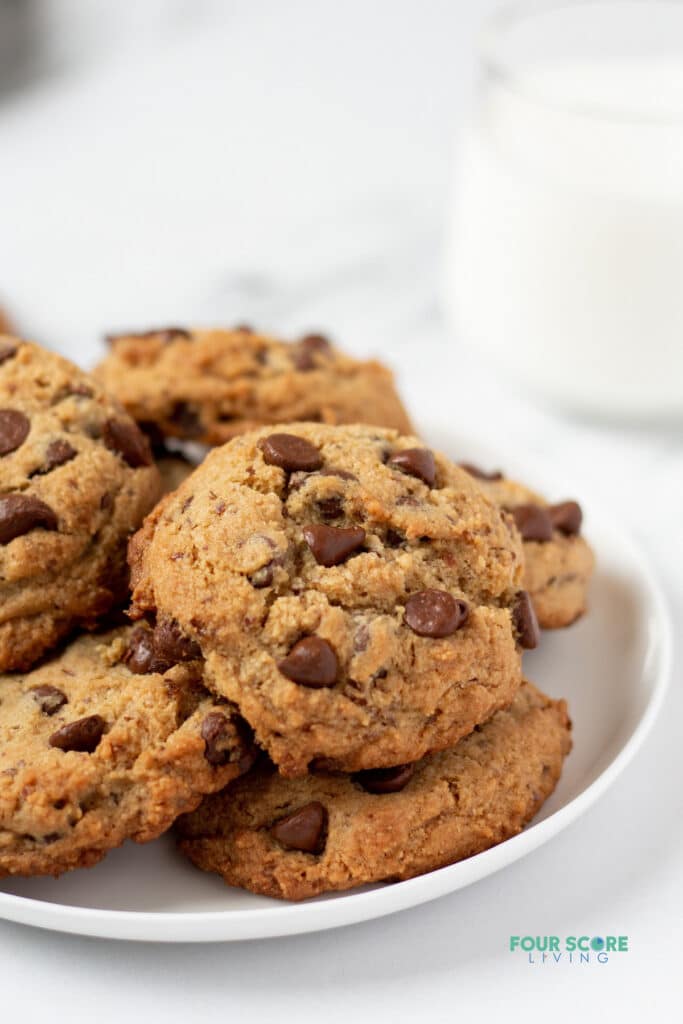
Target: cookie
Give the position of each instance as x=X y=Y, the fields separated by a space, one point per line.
x=210 y=385
x=107 y=741
x=356 y=595
x=76 y=479
x=295 y=838
x=558 y=561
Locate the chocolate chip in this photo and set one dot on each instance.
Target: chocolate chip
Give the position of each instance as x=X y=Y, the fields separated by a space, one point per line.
x=169 y=334
x=385 y=780
x=155 y=436
x=7 y=350
x=308 y=348
x=330 y=508
x=93 y=430
x=435 y=613
x=219 y=738
x=525 y=622
x=417 y=462
x=186 y=417
x=228 y=738
x=480 y=474
x=263 y=577
x=82 y=735
x=315 y=342
x=566 y=517
x=303 y=830
x=57 y=454
x=243 y=329
x=141 y=656
x=393 y=538
x=49 y=699
x=290 y=452
x=164 y=334
x=128 y=441
x=311 y=662
x=332 y=545
x=303 y=360
x=171 y=644
x=21 y=513
x=14 y=429
x=533 y=522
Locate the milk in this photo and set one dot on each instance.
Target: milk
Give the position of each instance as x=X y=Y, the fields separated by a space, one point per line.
x=566 y=263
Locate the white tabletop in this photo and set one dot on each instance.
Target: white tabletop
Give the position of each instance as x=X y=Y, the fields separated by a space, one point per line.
x=289 y=164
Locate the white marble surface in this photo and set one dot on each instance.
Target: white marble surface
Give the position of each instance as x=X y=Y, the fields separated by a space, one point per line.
x=290 y=164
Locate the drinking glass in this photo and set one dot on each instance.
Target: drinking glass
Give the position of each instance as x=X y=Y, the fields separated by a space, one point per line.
x=565 y=260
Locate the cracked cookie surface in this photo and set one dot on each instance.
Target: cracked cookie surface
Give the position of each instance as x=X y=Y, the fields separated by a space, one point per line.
x=76 y=479
x=296 y=838
x=210 y=385
x=558 y=561
x=107 y=741
x=352 y=592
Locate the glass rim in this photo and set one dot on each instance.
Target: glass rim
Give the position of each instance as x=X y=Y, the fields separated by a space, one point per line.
x=515 y=13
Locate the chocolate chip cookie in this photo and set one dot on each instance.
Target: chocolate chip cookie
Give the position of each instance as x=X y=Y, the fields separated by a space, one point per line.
x=76 y=479
x=295 y=838
x=558 y=561
x=112 y=739
x=355 y=594
x=210 y=385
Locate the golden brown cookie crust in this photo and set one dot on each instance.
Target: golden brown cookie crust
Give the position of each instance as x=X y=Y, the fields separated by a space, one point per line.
x=456 y=804
x=226 y=556
x=210 y=385
x=61 y=807
x=557 y=571
x=76 y=479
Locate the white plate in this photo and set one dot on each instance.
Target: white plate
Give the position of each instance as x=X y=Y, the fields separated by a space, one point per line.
x=613 y=667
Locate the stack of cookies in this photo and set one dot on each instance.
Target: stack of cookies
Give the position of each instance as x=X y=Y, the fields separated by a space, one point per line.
x=313 y=663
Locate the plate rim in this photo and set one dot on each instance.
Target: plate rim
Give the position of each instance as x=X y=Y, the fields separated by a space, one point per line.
x=283 y=918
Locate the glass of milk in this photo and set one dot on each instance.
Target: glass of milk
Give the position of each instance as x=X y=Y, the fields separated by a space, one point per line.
x=565 y=262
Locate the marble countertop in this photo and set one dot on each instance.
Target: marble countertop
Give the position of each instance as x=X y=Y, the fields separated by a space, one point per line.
x=290 y=165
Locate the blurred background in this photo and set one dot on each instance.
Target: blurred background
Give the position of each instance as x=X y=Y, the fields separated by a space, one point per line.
x=216 y=161
x=291 y=165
